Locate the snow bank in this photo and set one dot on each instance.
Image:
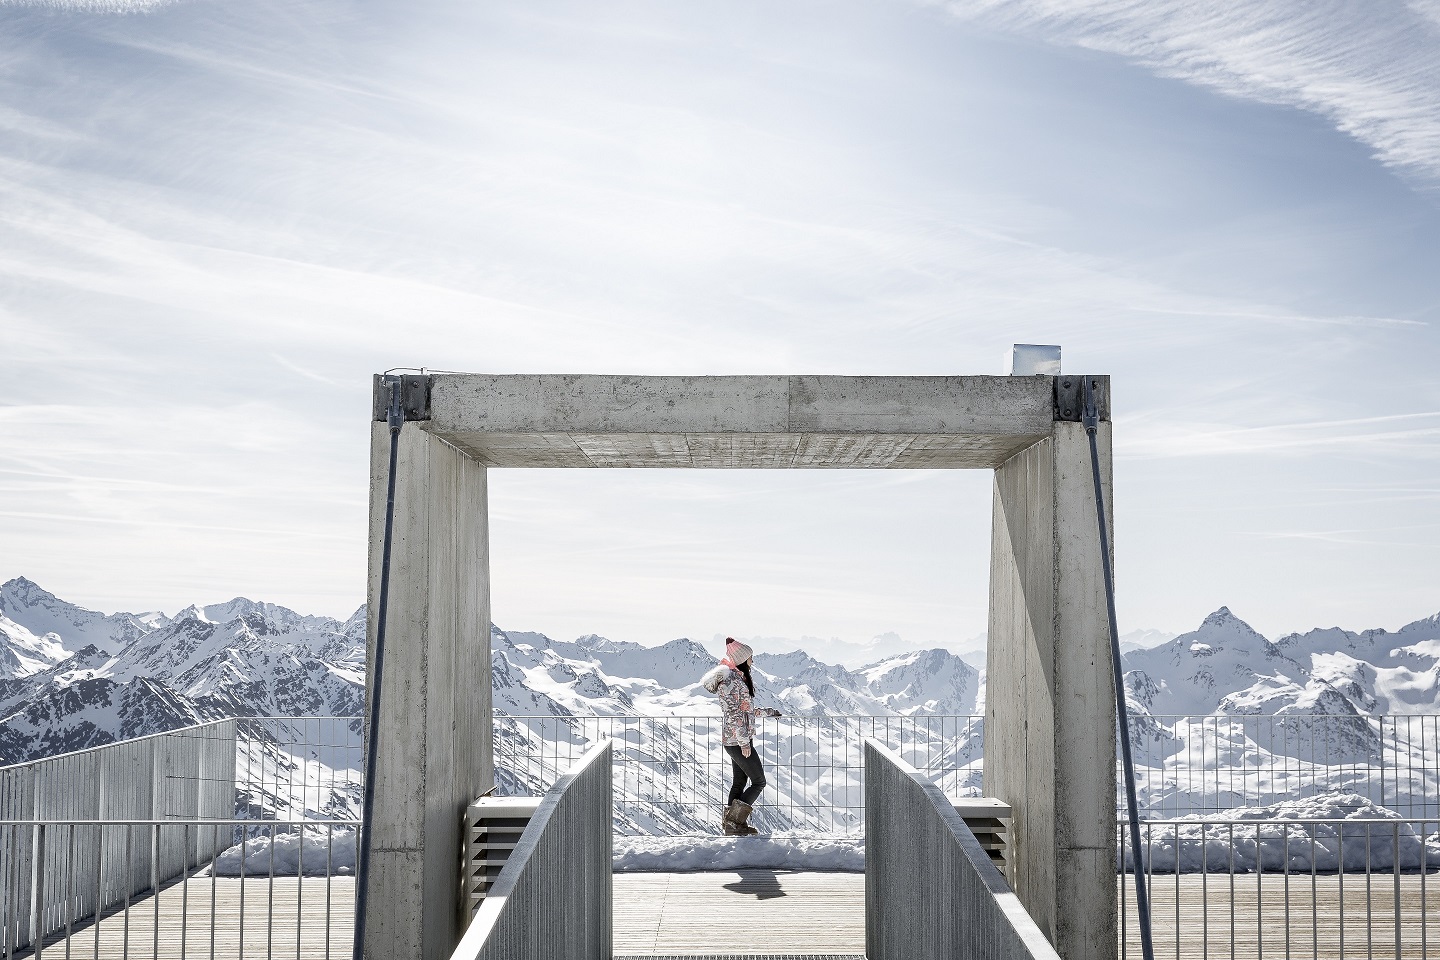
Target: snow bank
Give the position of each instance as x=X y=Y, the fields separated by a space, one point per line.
x=1353 y=831
x=695 y=853
x=316 y=850
x=678 y=854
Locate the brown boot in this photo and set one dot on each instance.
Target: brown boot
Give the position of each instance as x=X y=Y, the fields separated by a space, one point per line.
x=740 y=815
x=727 y=822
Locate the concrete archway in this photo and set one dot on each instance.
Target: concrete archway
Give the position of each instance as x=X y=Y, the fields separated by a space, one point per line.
x=1050 y=742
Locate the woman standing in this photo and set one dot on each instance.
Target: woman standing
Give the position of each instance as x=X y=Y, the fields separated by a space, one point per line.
x=733 y=683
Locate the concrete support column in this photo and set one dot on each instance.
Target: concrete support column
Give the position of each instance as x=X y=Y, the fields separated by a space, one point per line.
x=434 y=733
x=1050 y=697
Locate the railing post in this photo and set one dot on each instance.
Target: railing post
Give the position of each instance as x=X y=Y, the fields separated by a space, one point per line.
x=37 y=888
x=1395 y=872
x=155 y=881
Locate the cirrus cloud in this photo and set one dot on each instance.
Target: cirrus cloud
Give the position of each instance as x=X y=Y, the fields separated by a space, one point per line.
x=1372 y=69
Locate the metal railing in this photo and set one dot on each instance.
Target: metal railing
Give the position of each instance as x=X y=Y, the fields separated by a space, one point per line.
x=931 y=891
x=183 y=775
x=560 y=870
x=671 y=775
x=1242 y=889
x=1191 y=765
x=299 y=768
x=189 y=772
x=88 y=832
x=286 y=768
x=108 y=888
x=292 y=784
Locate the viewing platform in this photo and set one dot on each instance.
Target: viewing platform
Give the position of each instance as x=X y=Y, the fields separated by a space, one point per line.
x=270 y=768
x=749 y=912
x=771 y=913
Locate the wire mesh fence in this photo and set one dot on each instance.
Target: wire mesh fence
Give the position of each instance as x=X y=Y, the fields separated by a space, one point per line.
x=1303 y=888
x=115 y=851
x=166 y=888
x=299 y=768
x=1188 y=765
x=87 y=832
x=672 y=776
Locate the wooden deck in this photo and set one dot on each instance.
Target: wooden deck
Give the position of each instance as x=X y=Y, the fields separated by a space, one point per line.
x=754 y=913
x=1201 y=918
x=252 y=918
x=746 y=912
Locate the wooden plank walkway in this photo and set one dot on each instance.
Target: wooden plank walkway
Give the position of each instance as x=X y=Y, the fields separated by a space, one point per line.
x=280 y=919
x=743 y=912
x=1333 y=916
x=754 y=913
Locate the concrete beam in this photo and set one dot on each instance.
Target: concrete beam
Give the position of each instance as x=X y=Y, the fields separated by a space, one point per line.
x=1050 y=703
x=741 y=421
x=434 y=733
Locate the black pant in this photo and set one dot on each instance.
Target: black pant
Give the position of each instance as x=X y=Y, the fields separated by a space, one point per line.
x=745 y=768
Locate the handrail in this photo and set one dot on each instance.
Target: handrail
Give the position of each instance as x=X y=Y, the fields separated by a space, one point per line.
x=180 y=730
x=115 y=743
x=173 y=822
x=157 y=782
x=553 y=898
x=931 y=890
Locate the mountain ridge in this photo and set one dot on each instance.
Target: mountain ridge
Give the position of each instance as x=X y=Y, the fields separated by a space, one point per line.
x=72 y=678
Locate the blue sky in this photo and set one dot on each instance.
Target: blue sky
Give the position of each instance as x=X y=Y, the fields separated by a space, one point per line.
x=218 y=220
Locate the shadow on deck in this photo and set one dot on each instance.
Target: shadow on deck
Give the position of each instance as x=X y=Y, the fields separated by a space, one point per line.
x=749 y=913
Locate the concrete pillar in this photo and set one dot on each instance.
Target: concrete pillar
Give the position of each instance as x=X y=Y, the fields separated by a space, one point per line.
x=434 y=732
x=1050 y=697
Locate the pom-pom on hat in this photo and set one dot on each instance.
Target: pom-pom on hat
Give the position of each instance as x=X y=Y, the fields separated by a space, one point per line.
x=737 y=652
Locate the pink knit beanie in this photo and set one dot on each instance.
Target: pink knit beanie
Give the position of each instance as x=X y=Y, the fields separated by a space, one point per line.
x=737 y=652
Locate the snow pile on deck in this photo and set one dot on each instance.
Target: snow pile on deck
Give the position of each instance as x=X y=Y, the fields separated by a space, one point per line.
x=1285 y=834
x=696 y=853
x=317 y=851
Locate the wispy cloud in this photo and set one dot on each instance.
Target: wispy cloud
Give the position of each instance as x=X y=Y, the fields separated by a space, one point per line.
x=1362 y=536
x=1371 y=68
x=220 y=219
x=1414 y=434
x=93 y=6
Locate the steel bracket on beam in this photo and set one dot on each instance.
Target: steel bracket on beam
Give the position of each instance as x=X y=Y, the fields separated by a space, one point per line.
x=1069 y=396
x=414 y=396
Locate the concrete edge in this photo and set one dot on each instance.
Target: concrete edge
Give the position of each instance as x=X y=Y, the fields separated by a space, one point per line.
x=744 y=403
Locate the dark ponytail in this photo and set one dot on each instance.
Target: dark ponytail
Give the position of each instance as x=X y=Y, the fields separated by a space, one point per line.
x=744 y=669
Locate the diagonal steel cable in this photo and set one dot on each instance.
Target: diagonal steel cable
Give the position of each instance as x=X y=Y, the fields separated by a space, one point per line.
x=1090 y=416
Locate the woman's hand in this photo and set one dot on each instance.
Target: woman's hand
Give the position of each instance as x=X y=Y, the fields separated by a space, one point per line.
x=745 y=750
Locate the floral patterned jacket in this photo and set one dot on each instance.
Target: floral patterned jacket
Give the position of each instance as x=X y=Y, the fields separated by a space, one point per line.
x=738 y=726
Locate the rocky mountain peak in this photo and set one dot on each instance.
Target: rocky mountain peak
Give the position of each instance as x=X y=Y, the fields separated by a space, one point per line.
x=1220 y=618
x=25 y=591
x=193 y=612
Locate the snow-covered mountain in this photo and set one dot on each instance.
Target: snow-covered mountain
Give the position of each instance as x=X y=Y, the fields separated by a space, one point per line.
x=1222 y=716
x=534 y=675
x=34 y=619
x=72 y=678
x=552 y=698
x=1226 y=667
